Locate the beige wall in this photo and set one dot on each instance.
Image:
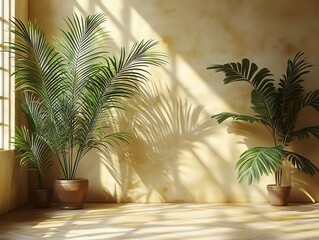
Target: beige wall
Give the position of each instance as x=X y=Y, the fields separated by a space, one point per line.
x=13 y=177
x=13 y=182
x=179 y=154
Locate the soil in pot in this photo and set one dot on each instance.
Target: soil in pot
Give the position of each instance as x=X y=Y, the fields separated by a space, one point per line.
x=278 y=195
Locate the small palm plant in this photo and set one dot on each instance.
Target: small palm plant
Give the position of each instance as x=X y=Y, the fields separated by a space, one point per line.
x=71 y=86
x=33 y=153
x=277 y=108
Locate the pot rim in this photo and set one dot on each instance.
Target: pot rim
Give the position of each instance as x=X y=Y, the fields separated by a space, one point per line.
x=42 y=189
x=62 y=180
x=275 y=186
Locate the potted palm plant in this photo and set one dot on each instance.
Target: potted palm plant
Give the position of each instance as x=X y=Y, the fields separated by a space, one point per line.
x=277 y=108
x=75 y=86
x=35 y=154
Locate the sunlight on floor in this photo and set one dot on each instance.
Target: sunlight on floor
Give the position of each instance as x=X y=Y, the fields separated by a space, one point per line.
x=164 y=221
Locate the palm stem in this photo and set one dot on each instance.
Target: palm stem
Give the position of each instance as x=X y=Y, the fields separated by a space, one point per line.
x=76 y=162
x=62 y=165
x=278 y=177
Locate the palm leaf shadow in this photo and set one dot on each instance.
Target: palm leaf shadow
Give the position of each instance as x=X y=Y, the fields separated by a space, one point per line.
x=164 y=128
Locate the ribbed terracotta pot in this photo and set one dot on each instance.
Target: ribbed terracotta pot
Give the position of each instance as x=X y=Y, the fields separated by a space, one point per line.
x=278 y=195
x=42 y=198
x=71 y=194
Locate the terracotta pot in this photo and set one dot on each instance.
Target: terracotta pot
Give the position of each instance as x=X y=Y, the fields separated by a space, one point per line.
x=278 y=195
x=71 y=194
x=42 y=198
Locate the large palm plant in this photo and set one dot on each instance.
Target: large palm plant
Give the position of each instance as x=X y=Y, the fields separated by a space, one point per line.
x=277 y=108
x=70 y=86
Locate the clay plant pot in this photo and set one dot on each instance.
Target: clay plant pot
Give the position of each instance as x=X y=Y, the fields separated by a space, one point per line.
x=71 y=194
x=278 y=195
x=42 y=198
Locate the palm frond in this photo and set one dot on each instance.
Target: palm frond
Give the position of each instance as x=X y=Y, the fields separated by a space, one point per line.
x=258 y=161
x=39 y=71
x=104 y=141
x=290 y=87
x=312 y=100
x=33 y=152
x=82 y=49
x=34 y=110
x=70 y=87
x=221 y=117
x=264 y=92
x=306 y=132
x=301 y=163
x=290 y=91
x=132 y=68
x=235 y=72
x=38 y=64
x=119 y=79
x=278 y=110
x=288 y=120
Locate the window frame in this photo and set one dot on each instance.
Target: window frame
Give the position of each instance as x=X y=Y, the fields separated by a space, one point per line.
x=7 y=81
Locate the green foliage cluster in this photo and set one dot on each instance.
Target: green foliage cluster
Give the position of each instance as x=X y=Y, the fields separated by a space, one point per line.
x=277 y=108
x=69 y=88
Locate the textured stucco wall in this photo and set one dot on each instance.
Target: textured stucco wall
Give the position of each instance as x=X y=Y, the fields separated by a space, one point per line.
x=179 y=153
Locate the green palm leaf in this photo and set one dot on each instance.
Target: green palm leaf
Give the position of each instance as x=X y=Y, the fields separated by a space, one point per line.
x=71 y=87
x=33 y=152
x=117 y=80
x=312 y=100
x=264 y=92
x=258 y=161
x=306 y=132
x=235 y=72
x=35 y=111
x=221 y=117
x=39 y=69
x=38 y=64
x=265 y=105
x=290 y=87
x=301 y=163
x=291 y=93
x=277 y=109
x=82 y=49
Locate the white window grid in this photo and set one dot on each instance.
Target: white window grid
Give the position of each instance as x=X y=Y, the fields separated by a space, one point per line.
x=7 y=108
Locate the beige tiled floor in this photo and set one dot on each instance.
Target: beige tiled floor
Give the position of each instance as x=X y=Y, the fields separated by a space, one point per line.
x=164 y=221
